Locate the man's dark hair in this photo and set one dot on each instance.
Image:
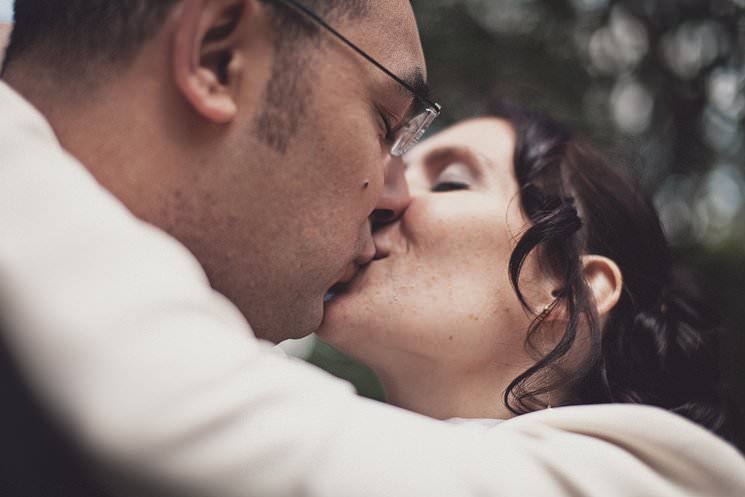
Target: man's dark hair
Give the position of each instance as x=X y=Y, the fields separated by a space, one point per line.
x=61 y=34
x=75 y=37
x=67 y=34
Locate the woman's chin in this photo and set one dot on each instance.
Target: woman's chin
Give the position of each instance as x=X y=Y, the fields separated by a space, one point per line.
x=358 y=312
x=338 y=316
x=341 y=306
x=352 y=323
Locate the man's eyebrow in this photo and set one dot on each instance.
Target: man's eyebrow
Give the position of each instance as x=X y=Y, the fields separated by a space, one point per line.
x=415 y=80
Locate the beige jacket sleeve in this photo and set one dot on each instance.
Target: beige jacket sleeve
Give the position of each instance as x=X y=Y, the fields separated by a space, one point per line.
x=160 y=378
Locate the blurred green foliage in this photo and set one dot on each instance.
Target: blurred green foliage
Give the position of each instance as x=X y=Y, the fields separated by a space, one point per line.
x=342 y=366
x=663 y=81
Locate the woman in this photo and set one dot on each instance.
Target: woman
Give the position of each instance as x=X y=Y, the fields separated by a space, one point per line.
x=528 y=273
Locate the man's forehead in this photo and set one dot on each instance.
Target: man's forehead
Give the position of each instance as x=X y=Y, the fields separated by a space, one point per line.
x=389 y=32
x=390 y=35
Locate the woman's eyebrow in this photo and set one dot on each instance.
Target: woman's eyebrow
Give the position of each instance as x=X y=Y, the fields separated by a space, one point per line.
x=439 y=154
x=456 y=152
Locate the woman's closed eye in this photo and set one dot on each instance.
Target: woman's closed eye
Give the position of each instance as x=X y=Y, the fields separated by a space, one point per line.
x=455 y=176
x=449 y=186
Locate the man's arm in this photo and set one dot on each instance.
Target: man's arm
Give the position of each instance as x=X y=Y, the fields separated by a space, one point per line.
x=159 y=377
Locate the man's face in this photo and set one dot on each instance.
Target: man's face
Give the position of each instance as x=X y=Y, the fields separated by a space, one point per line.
x=276 y=227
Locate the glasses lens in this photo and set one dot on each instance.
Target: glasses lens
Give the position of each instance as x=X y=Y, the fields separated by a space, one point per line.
x=413 y=131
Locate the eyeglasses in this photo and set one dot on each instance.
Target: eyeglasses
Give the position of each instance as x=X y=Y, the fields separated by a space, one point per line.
x=422 y=115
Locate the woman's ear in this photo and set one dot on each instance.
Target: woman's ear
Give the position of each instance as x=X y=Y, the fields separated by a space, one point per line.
x=604 y=280
x=205 y=47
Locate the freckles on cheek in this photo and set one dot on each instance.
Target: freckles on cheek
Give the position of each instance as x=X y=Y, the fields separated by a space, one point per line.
x=426 y=228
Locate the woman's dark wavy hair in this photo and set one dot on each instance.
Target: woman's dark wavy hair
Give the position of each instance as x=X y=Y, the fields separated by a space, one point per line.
x=658 y=346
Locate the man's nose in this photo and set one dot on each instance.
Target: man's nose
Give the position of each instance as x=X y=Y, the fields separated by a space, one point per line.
x=396 y=196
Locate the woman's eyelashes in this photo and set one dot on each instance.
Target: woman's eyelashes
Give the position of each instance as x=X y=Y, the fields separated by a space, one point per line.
x=449 y=186
x=454 y=176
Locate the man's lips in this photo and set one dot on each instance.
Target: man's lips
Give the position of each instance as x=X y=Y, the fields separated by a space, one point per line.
x=352 y=274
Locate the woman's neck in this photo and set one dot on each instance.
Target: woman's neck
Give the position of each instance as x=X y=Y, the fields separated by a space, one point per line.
x=443 y=393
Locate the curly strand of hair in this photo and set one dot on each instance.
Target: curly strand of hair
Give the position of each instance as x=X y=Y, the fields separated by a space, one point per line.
x=556 y=222
x=555 y=219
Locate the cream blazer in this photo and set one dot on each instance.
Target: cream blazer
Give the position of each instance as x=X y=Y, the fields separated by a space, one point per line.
x=163 y=384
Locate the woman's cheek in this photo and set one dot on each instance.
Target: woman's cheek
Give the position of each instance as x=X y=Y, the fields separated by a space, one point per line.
x=440 y=221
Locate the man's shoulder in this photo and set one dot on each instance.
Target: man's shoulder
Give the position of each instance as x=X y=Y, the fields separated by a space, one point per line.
x=600 y=417
x=20 y=117
x=630 y=449
x=643 y=428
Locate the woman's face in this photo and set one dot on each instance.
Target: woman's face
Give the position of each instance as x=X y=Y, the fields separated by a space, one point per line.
x=440 y=291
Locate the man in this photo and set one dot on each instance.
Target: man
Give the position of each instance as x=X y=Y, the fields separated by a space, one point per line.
x=200 y=116
x=261 y=142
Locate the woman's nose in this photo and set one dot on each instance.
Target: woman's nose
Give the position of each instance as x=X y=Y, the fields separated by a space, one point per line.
x=395 y=198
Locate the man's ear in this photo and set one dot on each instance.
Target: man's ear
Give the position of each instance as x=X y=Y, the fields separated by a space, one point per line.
x=204 y=54
x=605 y=281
